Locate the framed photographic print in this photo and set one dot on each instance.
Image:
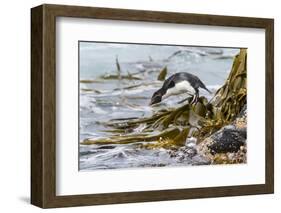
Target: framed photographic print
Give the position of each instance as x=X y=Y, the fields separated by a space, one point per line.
x=137 y=106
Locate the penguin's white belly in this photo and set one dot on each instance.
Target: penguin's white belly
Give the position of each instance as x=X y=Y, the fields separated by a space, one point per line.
x=179 y=88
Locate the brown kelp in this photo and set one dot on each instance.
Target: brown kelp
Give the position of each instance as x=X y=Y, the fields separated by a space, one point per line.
x=118 y=75
x=170 y=127
x=162 y=75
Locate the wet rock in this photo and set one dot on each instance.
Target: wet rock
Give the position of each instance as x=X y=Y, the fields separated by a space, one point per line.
x=200 y=160
x=188 y=154
x=229 y=141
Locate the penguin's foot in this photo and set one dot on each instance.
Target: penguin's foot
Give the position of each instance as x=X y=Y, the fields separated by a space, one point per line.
x=194 y=99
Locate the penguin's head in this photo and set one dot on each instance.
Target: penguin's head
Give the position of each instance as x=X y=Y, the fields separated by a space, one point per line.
x=156 y=97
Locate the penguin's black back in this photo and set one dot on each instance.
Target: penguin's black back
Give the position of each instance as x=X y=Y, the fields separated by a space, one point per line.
x=194 y=81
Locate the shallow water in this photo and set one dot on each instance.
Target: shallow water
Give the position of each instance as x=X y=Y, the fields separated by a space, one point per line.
x=105 y=100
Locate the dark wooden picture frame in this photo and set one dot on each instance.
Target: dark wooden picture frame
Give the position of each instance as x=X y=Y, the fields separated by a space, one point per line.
x=43 y=105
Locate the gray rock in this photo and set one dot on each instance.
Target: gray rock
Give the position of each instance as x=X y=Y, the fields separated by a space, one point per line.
x=229 y=141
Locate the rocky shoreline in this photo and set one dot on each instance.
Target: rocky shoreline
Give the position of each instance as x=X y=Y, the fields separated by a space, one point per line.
x=229 y=144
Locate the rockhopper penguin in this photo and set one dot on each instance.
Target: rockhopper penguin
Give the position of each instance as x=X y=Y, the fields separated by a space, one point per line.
x=179 y=83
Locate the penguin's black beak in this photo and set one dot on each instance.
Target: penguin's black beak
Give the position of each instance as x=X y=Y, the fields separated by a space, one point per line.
x=155 y=99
